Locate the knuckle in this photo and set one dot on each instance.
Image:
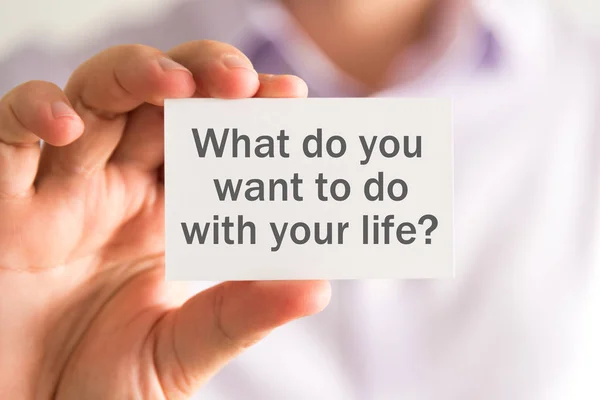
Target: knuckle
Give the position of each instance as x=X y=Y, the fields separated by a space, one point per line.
x=206 y=46
x=112 y=58
x=208 y=43
x=35 y=86
x=225 y=334
x=29 y=90
x=134 y=50
x=218 y=300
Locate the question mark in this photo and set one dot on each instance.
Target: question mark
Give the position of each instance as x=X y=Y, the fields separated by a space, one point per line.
x=434 y=224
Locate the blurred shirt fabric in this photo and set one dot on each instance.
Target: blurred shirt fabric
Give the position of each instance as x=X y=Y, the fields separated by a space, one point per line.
x=522 y=317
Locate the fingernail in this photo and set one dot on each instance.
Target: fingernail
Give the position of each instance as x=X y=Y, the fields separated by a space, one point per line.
x=233 y=61
x=169 y=65
x=61 y=109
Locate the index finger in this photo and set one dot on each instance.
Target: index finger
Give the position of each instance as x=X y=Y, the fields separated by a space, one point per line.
x=220 y=70
x=102 y=91
x=121 y=78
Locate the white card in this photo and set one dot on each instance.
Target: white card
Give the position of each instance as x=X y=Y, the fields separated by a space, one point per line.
x=308 y=189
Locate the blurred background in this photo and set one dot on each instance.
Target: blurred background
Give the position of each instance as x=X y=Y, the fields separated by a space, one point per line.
x=69 y=22
x=550 y=106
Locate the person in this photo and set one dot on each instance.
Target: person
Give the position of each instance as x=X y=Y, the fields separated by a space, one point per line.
x=85 y=313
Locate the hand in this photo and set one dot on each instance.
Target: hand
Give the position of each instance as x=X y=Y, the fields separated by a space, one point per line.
x=84 y=309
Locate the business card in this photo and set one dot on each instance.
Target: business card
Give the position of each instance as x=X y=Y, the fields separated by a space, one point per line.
x=269 y=189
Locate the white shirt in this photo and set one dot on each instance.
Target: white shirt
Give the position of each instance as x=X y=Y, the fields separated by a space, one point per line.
x=516 y=322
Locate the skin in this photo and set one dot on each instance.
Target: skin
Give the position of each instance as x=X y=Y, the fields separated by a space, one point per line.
x=85 y=312
x=347 y=30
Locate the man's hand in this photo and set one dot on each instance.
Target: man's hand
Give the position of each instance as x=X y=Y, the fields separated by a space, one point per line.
x=84 y=310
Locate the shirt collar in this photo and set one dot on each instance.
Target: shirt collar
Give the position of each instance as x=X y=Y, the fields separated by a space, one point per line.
x=460 y=42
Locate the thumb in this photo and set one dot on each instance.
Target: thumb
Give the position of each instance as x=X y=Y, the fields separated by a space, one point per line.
x=193 y=342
